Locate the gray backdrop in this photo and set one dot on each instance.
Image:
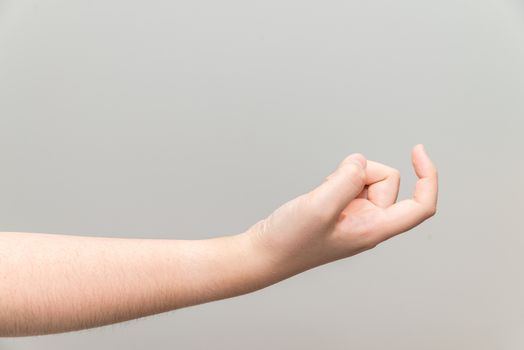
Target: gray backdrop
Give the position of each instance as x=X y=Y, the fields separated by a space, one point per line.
x=192 y=119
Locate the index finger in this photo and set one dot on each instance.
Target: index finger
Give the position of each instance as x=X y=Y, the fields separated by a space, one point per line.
x=408 y=213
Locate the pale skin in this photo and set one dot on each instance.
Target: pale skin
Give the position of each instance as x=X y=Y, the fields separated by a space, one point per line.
x=51 y=283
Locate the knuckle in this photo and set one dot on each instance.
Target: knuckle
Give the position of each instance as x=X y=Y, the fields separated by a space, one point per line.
x=433 y=173
x=431 y=210
x=395 y=173
x=350 y=158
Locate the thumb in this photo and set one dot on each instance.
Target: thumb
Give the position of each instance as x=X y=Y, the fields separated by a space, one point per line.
x=342 y=186
x=355 y=157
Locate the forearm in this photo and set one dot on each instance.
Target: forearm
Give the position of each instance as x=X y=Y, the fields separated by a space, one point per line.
x=56 y=283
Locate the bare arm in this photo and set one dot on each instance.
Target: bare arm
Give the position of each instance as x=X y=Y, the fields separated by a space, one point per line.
x=56 y=283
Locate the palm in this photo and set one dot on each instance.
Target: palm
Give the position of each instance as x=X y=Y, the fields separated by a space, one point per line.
x=359 y=216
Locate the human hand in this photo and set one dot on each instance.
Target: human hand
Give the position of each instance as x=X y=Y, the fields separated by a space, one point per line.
x=353 y=210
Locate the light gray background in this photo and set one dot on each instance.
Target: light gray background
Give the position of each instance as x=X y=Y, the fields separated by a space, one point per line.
x=192 y=119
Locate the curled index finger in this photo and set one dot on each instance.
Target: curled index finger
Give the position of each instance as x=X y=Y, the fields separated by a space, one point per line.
x=408 y=213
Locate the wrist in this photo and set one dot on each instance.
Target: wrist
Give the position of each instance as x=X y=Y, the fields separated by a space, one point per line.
x=268 y=262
